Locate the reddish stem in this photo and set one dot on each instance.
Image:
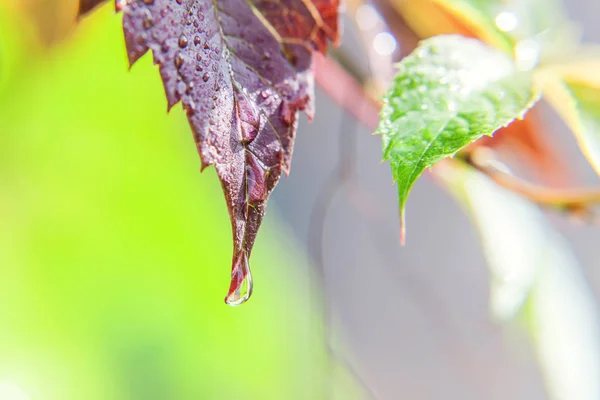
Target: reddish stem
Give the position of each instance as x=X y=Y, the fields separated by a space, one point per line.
x=345 y=91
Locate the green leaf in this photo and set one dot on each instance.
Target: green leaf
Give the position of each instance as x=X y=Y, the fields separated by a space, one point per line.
x=448 y=93
x=534 y=277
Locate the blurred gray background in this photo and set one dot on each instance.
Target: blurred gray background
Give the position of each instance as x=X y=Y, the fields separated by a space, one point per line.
x=413 y=321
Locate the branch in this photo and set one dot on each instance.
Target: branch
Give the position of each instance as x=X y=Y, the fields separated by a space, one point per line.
x=345 y=91
x=576 y=201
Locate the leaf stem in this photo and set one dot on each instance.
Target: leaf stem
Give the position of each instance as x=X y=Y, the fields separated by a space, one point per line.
x=575 y=201
x=346 y=91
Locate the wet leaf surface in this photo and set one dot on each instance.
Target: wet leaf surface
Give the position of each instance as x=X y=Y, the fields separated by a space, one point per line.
x=242 y=71
x=448 y=93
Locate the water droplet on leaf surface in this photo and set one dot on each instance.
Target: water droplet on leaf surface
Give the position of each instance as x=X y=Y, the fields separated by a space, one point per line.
x=183 y=41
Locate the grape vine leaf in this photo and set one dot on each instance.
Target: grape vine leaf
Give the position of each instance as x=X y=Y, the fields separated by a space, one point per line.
x=448 y=93
x=242 y=70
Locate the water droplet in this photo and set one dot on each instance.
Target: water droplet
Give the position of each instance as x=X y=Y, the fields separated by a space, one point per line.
x=196 y=40
x=147 y=19
x=141 y=38
x=189 y=88
x=240 y=288
x=179 y=60
x=190 y=106
x=183 y=42
x=149 y=2
x=422 y=52
x=205 y=77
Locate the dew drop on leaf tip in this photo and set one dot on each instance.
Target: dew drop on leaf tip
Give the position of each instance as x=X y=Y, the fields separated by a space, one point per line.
x=240 y=288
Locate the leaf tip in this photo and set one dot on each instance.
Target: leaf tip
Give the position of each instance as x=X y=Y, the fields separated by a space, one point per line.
x=402 y=227
x=203 y=164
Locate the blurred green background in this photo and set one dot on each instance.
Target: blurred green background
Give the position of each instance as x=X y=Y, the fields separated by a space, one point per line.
x=115 y=250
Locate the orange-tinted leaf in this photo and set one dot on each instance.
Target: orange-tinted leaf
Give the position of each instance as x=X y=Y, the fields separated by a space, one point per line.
x=524 y=138
x=437 y=17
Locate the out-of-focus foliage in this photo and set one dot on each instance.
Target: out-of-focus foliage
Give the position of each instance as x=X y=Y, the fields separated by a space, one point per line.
x=573 y=89
x=535 y=276
x=438 y=17
x=587 y=100
x=112 y=243
x=502 y=24
x=52 y=19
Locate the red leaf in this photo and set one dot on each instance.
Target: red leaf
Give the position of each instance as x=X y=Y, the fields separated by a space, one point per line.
x=242 y=72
